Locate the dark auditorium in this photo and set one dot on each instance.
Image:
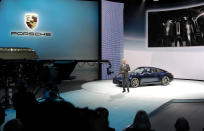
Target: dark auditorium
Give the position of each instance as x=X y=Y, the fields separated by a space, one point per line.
x=101 y=65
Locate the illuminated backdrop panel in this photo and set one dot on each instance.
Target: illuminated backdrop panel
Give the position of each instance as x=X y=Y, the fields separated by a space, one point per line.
x=73 y=25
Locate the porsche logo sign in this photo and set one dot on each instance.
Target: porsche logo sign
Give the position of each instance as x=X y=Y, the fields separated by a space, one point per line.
x=31 y=20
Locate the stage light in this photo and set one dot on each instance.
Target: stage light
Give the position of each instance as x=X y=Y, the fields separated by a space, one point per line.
x=141 y=8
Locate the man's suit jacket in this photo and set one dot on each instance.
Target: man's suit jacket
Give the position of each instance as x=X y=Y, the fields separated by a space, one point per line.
x=124 y=70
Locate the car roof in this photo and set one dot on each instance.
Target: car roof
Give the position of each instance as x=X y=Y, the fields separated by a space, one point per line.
x=146 y=67
x=149 y=67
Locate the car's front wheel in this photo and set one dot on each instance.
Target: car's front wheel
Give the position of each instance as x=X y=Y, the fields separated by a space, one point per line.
x=135 y=82
x=165 y=80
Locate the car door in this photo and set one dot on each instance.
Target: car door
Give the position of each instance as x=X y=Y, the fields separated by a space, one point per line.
x=155 y=75
x=149 y=76
x=145 y=76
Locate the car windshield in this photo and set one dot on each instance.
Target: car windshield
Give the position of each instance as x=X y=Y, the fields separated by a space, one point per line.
x=138 y=70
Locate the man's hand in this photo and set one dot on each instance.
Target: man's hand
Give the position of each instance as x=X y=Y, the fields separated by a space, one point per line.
x=122 y=72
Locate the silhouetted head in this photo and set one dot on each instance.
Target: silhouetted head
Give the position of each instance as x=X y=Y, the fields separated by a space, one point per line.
x=103 y=114
x=56 y=115
x=142 y=121
x=13 y=125
x=2 y=115
x=101 y=111
x=124 y=61
x=182 y=124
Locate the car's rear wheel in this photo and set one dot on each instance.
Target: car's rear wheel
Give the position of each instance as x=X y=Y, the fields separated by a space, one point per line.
x=165 y=80
x=135 y=82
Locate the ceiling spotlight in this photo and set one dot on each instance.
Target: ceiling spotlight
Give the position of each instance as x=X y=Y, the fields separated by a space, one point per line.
x=155 y=0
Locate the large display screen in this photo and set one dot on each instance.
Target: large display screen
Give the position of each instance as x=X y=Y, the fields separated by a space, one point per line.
x=176 y=28
x=145 y=44
x=55 y=29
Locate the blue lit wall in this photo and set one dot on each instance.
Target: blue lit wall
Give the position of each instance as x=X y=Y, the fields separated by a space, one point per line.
x=73 y=24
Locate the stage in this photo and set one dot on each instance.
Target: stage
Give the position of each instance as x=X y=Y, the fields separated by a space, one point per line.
x=123 y=106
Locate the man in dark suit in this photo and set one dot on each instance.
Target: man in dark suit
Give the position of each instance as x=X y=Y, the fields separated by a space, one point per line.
x=124 y=68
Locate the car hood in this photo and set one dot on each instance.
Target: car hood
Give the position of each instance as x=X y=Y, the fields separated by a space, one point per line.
x=132 y=73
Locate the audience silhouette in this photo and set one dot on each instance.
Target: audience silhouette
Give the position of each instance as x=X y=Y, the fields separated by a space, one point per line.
x=24 y=103
x=141 y=122
x=14 y=125
x=2 y=115
x=102 y=119
x=182 y=124
x=32 y=115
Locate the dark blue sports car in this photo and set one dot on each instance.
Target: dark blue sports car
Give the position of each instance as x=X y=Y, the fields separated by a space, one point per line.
x=146 y=76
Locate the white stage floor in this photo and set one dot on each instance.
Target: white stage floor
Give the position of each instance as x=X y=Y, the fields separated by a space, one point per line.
x=123 y=106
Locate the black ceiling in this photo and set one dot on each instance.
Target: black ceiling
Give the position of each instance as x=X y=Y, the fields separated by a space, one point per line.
x=150 y=4
x=156 y=2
